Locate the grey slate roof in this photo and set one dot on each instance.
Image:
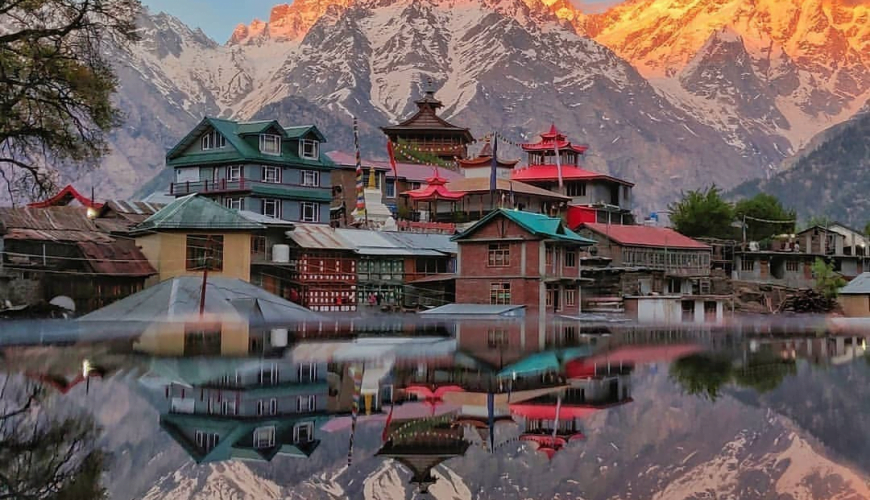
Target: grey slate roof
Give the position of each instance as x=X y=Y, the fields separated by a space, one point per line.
x=423 y=241
x=510 y=310
x=858 y=286
x=178 y=298
x=196 y=212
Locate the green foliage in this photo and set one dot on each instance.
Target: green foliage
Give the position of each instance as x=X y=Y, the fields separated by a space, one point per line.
x=867 y=229
x=703 y=214
x=767 y=207
x=403 y=212
x=828 y=282
x=764 y=371
x=702 y=374
x=56 y=86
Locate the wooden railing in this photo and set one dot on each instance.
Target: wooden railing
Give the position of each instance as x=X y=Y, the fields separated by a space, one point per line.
x=228 y=186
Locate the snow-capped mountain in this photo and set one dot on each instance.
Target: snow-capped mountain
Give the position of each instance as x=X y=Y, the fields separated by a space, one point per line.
x=733 y=100
x=808 y=59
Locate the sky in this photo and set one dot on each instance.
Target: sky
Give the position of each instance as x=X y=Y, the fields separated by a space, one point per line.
x=218 y=18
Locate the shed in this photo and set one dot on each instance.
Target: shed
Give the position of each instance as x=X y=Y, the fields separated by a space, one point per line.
x=855 y=297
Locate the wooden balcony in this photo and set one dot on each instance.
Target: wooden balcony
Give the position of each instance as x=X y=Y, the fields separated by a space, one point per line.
x=234 y=186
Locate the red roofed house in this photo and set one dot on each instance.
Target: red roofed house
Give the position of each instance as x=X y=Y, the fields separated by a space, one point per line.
x=594 y=197
x=679 y=289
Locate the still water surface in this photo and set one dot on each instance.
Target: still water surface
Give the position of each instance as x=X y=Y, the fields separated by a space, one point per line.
x=394 y=408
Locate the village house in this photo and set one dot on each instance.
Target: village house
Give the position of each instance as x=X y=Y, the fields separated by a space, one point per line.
x=322 y=269
x=259 y=166
x=515 y=257
x=854 y=298
x=594 y=197
x=194 y=234
x=66 y=255
x=788 y=260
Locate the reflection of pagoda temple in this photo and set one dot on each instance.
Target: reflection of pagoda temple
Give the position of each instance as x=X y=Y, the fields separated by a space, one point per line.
x=594 y=197
x=551 y=421
x=427 y=132
x=422 y=444
x=240 y=408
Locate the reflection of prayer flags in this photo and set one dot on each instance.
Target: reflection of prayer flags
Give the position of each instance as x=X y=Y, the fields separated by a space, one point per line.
x=386 y=432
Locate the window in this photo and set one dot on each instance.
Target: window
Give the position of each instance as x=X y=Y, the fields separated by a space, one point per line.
x=414 y=185
x=258 y=245
x=234 y=173
x=500 y=293
x=391 y=188
x=233 y=203
x=308 y=149
x=206 y=441
x=212 y=140
x=311 y=178
x=747 y=264
x=570 y=297
x=205 y=251
x=499 y=255
x=496 y=338
x=548 y=256
x=264 y=437
x=228 y=407
x=570 y=258
x=269 y=375
x=792 y=265
x=307 y=372
x=704 y=287
x=267 y=407
x=272 y=174
x=303 y=432
x=202 y=339
x=576 y=189
x=270 y=144
x=306 y=403
x=272 y=208
x=310 y=211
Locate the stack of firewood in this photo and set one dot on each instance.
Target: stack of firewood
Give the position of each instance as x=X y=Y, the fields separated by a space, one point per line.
x=807 y=300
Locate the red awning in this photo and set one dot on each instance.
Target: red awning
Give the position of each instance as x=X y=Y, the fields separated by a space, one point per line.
x=436 y=189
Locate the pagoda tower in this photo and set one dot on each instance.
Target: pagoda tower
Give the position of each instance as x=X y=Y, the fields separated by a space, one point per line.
x=481 y=165
x=429 y=133
x=595 y=197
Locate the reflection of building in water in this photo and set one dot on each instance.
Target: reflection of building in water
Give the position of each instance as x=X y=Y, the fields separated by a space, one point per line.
x=421 y=444
x=553 y=420
x=254 y=409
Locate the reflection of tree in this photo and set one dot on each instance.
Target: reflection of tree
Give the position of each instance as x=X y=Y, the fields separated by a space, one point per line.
x=45 y=453
x=702 y=374
x=764 y=371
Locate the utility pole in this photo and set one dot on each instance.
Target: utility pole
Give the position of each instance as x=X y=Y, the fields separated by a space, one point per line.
x=204 y=276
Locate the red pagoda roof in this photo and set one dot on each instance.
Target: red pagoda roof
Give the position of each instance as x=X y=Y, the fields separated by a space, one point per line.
x=550 y=445
x=484 y=159
x=550 y=173
x=64 y=197
x=436 y=189
x=550 y=140
x=645 y=236
x=568 y=411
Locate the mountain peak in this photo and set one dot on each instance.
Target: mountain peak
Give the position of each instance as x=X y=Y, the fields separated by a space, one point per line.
x=286 y=22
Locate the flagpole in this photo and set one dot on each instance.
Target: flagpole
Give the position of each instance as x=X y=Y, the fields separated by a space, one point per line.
x=360 y=186
x=492 y=175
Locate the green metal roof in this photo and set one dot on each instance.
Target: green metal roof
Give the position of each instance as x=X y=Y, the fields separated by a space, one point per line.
x=235 y=434
x=538 y=224
x=196 y=212
x=238 y=149
x=294 y=193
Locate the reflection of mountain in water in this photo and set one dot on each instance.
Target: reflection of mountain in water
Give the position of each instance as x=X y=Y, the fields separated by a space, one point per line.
x=474 y=416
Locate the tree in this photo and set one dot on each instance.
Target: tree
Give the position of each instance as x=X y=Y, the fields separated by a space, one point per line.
x=45 y=454
x=702 y=374
x=828 y=282
x=766 y=207
x=56 y=84
x=764 y=371
x=703 y=214
x=867 y=229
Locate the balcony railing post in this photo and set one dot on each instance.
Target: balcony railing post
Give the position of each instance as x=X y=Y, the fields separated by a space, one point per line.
x=188 y=187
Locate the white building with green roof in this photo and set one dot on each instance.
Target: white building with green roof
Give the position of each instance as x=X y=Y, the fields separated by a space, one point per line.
x=257 y=166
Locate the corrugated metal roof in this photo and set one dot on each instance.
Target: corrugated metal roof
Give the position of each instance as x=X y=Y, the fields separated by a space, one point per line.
x=318 y=236
x=197 y=212
x=647 y=236
x=178 y=298
x=57 y=235
x=49 y=218
x=133 y=207
x=120 y=257
x=423 y=241
x=360 y=238
x=858 y=286
x=476 y=310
